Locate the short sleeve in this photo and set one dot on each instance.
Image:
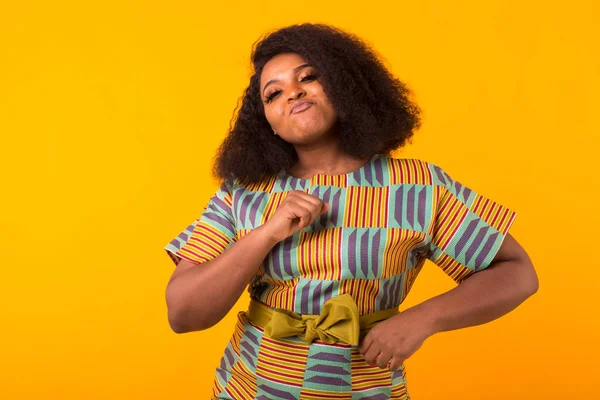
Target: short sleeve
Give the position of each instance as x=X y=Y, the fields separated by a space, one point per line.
x=467 y=228
x=210 y=234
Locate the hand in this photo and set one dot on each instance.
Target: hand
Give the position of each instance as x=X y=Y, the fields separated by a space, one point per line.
x=394 y=340
x=297 y=210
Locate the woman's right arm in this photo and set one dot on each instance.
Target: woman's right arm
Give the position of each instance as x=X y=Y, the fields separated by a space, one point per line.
x=200 y=295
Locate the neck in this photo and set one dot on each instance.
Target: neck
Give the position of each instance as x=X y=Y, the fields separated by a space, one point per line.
x=328 y=160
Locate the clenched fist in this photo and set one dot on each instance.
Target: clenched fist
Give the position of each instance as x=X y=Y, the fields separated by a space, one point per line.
x=297 y=211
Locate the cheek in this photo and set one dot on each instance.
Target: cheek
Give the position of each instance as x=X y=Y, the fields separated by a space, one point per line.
x=328 y=109
x=269 y=115
x=274 y=114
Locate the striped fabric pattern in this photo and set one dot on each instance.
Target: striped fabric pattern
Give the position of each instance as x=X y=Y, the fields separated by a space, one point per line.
x=385 y=220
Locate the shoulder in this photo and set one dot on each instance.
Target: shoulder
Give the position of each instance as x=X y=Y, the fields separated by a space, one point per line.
x=415 y=171
x=406 y=162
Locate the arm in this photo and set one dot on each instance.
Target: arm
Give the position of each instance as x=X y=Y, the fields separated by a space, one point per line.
x=484 y=296
x=480 y=298
x=200 y=295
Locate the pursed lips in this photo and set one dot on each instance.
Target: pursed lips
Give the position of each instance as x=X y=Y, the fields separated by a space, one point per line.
x=303 y=104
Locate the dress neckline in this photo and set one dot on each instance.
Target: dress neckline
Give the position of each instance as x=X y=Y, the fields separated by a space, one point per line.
x=284 y=174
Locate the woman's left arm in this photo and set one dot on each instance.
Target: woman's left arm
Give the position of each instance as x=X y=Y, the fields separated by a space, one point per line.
x=485 y=295
x=480 y=298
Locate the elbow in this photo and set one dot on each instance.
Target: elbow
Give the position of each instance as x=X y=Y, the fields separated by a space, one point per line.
x=530 y=281
x=182 y=317
x=536 y=284
x=180 y=323
x=176 y=326
x=185 y=315
x=179 y=326
x=176 y=322
x=173 y=313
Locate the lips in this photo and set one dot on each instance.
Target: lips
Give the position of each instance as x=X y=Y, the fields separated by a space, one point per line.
x=300 y=105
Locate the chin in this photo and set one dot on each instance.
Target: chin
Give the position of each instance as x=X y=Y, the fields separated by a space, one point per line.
x=306 y=138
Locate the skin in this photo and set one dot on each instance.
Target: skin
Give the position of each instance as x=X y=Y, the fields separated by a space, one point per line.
x=284 y=80
x=484 y=296
x=198 y=297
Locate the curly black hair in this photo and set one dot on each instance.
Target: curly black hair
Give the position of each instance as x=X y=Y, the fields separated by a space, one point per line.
x=375 y=114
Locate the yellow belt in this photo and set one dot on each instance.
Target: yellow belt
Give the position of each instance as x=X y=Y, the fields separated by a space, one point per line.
x=338 y=322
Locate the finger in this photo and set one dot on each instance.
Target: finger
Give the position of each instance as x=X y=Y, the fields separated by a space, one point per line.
x=301 y=212
x=372 y=353
x=383 y=359
x=395 y=363
x=365 y=344
x=305 y=218
x=320 y=204
x=315 y=209
x=294 y=195
x=311 y=198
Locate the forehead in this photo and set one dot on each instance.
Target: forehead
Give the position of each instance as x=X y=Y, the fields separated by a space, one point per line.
x=280 y=64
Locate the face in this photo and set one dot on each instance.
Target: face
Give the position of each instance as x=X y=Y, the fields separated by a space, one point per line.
x=294 y=101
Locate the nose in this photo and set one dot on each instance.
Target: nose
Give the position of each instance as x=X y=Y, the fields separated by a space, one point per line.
x=296 y=92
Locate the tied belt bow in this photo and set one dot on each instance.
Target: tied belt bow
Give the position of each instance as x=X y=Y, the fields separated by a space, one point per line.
x=339 y=321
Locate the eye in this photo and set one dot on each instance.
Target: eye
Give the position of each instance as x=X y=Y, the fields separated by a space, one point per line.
x=310 y=77
x=272 y=96
x=307 y=78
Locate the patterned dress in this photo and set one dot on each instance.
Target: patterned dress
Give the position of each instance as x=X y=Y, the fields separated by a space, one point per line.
x=385 y=219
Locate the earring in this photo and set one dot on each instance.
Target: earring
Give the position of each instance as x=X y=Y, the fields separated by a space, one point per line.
x=275 y=133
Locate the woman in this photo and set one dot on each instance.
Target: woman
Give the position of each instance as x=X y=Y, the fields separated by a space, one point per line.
x=331 y=232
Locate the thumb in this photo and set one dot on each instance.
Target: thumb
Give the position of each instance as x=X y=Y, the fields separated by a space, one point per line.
x=325 y=207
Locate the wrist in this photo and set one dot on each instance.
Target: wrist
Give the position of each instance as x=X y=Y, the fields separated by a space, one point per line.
x=266 y=235
x=427 y=315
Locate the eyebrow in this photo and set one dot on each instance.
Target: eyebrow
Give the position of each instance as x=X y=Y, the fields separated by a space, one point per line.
x=298 y=68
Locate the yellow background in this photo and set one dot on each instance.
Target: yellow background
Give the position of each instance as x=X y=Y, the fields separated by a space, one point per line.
x=111 y=112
